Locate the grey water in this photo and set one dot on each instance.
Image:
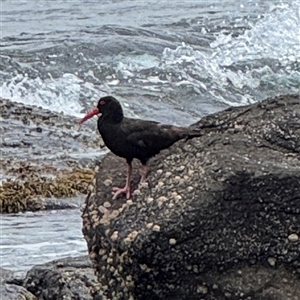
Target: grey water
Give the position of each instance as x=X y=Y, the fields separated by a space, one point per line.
x=32 y=238
x=173 y=62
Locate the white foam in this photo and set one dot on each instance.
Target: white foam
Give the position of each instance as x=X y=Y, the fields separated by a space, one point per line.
x=60 y=94
x=276 y=36
x=238 y=68
x=235 y=70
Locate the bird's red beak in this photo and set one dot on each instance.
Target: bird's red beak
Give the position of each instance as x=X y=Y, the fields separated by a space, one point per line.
x=93 y=112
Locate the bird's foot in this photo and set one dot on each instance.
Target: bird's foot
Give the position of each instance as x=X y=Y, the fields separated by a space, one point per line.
x=143 y=172
x=118 y=191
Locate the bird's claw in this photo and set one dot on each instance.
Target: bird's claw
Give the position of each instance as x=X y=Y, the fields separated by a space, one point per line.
x=118 y=191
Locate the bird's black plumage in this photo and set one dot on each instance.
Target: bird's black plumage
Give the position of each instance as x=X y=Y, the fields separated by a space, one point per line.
x=133 y=138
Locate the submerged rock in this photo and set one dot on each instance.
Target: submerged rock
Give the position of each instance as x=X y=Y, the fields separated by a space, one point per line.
x=11 y=287
x=13 y=292
x=43 y=155
x=68 y=278
x=218 y=218
x=32 y=190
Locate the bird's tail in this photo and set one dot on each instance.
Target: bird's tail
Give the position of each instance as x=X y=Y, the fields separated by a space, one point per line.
x=180 y=133
x=188 y=133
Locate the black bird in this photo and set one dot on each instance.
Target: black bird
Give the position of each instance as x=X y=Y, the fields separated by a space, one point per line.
x=133 y=138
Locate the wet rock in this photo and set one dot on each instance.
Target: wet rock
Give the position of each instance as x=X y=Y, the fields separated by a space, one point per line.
x=11 y=286
x=225 y=226
x=8 y=276
x=41 y=137
x=26 y=142
x=13 y=292
x=43 y=155
x=29 y=191
x=11 y=143
x=69 y=278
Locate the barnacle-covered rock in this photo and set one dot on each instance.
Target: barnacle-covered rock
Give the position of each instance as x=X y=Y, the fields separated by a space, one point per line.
x=219 y=218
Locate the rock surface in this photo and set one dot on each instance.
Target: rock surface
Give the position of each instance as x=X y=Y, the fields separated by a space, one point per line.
x=11 y=287
x=31 y=191
x=68 y=278
x=43 y=154
x=218 y=219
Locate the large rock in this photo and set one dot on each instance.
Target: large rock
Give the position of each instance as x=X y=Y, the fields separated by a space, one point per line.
x=69 y=279
x=219 y=219
x=15 y=292
x=11 y=287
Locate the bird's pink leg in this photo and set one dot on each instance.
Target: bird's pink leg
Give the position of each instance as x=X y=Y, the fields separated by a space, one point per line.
x=126 y=188
x=143 y=172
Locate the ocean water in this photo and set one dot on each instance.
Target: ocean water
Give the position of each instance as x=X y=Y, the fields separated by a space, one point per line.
x=35 y=237
x=170 y=61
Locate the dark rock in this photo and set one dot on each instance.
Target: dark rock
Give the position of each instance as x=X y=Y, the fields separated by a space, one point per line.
x=219 y=218
x=69 y=278
x=8 y=276
x=10 y=287
x=53 y=144
x=11 y=143
x=13 y=292
x=41 y=203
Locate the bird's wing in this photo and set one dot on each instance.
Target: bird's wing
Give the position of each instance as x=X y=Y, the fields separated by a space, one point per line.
x=149 y=134
x=139 y=132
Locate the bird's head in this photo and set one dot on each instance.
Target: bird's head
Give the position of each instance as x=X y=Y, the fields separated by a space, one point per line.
x=109 y=108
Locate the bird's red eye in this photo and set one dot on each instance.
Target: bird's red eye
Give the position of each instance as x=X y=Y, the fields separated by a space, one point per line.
x=102 y=102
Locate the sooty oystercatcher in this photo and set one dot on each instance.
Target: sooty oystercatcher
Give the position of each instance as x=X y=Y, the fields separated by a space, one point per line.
x=133 y=138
